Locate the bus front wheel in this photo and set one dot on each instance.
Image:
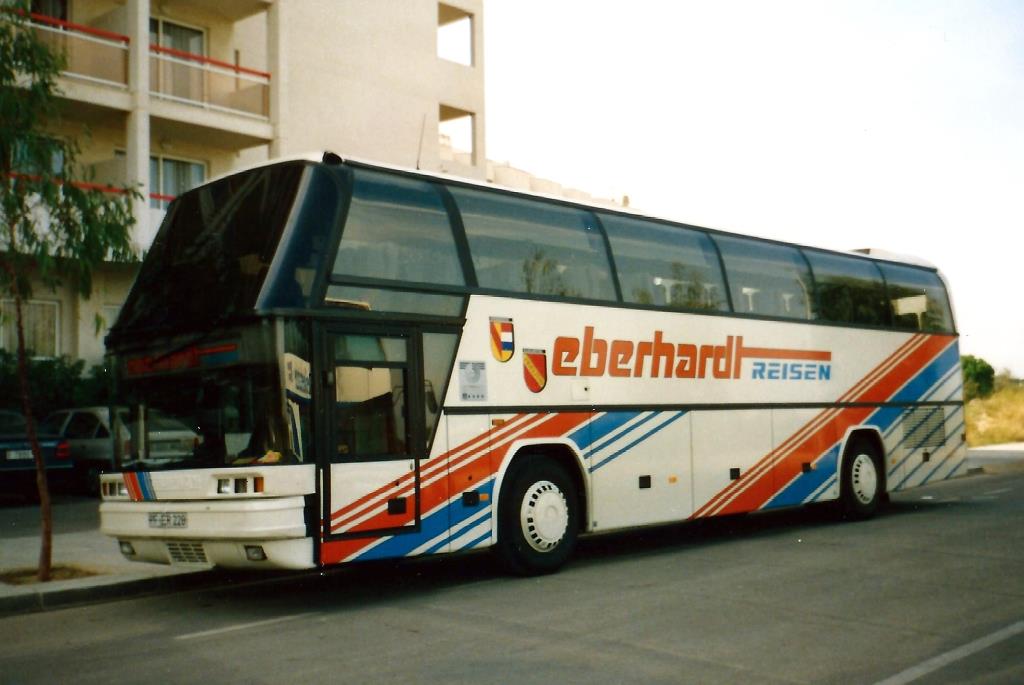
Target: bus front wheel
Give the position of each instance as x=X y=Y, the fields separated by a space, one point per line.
x=538 y=517
x=862 y=483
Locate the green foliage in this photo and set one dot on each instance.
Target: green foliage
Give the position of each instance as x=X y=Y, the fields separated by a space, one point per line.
x=979 y=377
x=56 y=383
x=543 y=275
x=52 y=228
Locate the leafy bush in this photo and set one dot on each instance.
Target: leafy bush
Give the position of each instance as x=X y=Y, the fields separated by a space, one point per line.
x=56 y=383
x=979 y=377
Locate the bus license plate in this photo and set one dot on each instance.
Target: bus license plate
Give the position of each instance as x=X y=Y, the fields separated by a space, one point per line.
x=19 y=455
x=168 y=520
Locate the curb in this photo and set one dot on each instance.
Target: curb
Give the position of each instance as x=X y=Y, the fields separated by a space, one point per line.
x=45 y=600
x=206 y=579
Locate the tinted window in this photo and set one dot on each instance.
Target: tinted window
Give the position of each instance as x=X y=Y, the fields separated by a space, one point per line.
x=397 y=229
x=387 y=300
x=81 y=426
x=53 y=423
x=533 y=247
x=664 y=265
x=213 y=251
x=302 y=251
x=918 y=299
x=766 y=279
x=850 y=290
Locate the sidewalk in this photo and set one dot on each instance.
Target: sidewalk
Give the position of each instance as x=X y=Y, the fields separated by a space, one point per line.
x=996 y=458
x=78 y=542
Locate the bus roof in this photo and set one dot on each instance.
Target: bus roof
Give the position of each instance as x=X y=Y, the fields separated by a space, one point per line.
x=329 y=157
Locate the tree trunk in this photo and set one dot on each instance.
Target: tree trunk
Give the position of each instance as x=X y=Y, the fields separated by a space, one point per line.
x=45 y=509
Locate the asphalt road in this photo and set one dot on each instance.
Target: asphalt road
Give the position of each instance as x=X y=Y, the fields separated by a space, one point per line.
x=933 y=589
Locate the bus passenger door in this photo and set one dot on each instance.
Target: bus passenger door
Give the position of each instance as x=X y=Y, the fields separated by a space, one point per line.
x=372 y=446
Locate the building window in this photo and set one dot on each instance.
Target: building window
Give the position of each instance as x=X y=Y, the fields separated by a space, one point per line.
x=42 y=327
x=167 y=34
x=454 y=35
x=172 y=73
x=169 y=178
x=457 y=132
x=38 y=155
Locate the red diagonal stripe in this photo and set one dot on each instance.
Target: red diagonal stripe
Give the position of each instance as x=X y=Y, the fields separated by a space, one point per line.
x=438 y=464
x=760 y=489
x=482 y=467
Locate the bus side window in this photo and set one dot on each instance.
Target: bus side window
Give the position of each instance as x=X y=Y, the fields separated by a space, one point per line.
x=917 y=298
x=534 y=247
x=397 y=229
x=850 y=290
x=767 y=279
x=665 y=266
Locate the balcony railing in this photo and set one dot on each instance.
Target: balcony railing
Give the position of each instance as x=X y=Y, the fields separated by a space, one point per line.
x=146 y=226
x=92 y=54
x=216 y=85
x=102 y=56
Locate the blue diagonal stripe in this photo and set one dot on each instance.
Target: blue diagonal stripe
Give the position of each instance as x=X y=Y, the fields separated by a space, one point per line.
x=675 y=416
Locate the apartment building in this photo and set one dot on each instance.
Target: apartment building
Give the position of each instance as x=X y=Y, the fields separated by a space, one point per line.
x=172 y=93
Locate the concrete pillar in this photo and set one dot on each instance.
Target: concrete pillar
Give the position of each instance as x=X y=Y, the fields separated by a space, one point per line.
x=137 y=134
x=277 y=62
x=479 y=137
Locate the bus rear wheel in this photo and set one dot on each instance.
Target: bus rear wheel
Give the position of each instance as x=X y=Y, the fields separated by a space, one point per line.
x=862 y=482
x=538 y=517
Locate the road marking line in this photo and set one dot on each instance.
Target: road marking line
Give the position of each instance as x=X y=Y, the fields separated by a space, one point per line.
x=242 y=626
x=962 y=652
x=1000 y=491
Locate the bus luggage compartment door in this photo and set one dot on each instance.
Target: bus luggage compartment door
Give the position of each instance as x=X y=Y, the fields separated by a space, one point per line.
x=372 y=457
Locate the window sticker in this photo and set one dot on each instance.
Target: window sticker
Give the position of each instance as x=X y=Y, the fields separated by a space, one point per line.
x=473 y=381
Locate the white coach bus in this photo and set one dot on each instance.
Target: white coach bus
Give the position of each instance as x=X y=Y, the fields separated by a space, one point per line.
x=377 y=363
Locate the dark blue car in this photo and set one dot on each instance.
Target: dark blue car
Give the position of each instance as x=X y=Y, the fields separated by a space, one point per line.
x=17 y=467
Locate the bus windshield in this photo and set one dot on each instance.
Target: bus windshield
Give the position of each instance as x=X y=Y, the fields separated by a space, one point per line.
x=233 y=401
x=214 y=251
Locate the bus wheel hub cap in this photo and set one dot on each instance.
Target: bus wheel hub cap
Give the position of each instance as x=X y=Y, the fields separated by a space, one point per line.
x=544 y=515
x=864 y=478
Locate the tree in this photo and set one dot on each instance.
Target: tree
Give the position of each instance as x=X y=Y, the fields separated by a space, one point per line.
x=53 y=230
x=979 y=377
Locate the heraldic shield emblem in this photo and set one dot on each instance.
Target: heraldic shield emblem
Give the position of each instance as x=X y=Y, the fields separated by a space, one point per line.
x=535 y=369
x=503 y=341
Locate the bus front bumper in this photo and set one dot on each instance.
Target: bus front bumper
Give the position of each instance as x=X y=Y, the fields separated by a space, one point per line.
x=239 y=533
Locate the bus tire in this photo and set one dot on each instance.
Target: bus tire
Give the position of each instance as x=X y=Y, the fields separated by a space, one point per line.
x=862 y=486
x=538 y=517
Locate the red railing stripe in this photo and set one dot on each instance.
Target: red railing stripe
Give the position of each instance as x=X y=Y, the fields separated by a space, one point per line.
x=103 y=188
x=207 y=60
x=181 y=54
x=53 y=21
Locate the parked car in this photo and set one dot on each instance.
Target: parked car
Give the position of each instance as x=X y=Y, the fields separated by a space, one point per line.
x=90 y=436
x=17 y=466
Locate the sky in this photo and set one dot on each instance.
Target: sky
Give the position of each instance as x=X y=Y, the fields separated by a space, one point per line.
x=893 y=125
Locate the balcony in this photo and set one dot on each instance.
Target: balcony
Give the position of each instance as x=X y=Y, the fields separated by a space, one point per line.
x=209 y=83
x=92 y=54
x=100 y=57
